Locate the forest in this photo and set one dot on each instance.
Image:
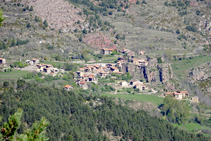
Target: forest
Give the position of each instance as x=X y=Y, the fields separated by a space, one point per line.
x=74 y=115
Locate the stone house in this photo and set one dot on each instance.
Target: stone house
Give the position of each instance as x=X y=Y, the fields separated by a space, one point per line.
x=168 y=93
x=52 y=74
x=40 y=68
x=123 y=59
x=92 y=79
x=103 y=74
x=47 y=70
x=97 y=71
x=142 y=52
x=177 y=95
x=82 y=69
x=85 y=78
x=109 y=65
x=134 y=82
x=83 y=84
x=90 y=68
x=195 y=99
x=80 y=74
x=119 y=64
x=140 y=86
x=97 y=66
x=62 y=70
x=106 y=69
x=125 y=51
x=131 y=54
x=144 y=87
x=135 y=61
x=35 y=61
x=49 y=66
x=143 y=62
x=2 y=61
x=123 y=83
x=106 y=51
x=68 y=87
x=114 y=69
x=55 y=70
x=30 y=62
x=184 y=93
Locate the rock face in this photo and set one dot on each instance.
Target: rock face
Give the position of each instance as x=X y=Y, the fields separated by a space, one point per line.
x=59 y=13
x=202 y=72
x=152 y=73
x=165 y=72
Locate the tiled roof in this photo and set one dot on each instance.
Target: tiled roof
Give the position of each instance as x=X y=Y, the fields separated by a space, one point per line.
x=67 y=86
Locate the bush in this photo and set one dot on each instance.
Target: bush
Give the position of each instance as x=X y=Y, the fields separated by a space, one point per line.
x=197 y=12
x=144 y=2
x=191 y=28
x=159 y=60
x=182 y=36
x=85 y=31
x=28 y=25
x=45 y=23
x=178 y=31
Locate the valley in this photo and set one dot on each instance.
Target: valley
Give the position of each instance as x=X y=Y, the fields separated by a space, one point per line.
x=106 y=70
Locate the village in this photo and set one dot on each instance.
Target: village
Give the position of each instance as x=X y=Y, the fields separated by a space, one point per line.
x=91 y=73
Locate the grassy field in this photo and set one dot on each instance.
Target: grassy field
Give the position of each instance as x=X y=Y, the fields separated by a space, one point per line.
x=192 y=127
x=181 y=66
x=53 y=63
x=146 y=98
x=13 y=74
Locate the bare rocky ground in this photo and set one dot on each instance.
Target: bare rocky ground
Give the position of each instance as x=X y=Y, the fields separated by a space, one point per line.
x=59 y=13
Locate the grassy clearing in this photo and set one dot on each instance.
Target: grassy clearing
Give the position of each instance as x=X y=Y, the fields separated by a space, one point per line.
x=192 y=127
x=181 y=66
x=143 y=98
x=53 y=63
x=13 y=74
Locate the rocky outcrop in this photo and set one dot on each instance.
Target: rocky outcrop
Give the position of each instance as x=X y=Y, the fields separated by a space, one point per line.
x=165 y=72
x=59 y=14
x=202 y=72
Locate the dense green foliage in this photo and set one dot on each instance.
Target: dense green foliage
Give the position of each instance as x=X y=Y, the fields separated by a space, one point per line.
x=11 y=43
x=181 y=5
x=175 y=111
x=9 y=129
x=1 y=17
x=68 y=116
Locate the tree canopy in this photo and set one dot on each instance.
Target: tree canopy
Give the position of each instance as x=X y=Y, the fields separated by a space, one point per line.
x=175 y=111
x=71 y=118
x=1 y=17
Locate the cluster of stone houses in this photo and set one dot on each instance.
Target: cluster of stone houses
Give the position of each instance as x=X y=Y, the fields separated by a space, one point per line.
x=89 y=73
x=136 y=84
x=182 y=94
x=178 y=94
x=2 y=61
x=48 y=69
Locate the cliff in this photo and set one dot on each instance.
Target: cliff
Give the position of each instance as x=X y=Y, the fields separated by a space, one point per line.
x=200 y=73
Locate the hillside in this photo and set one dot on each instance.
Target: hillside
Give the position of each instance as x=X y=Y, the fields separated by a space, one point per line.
x=81 y=117
x=152 y=26
x=108 y=69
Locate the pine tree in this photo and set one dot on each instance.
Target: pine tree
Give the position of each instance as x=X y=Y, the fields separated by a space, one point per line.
x=9 y=129
x=1 y=17
x=31 y=8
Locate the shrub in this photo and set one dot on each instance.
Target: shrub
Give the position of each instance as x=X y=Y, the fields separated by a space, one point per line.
x=178 y=31
x=191 y=28
x=85 y=31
